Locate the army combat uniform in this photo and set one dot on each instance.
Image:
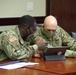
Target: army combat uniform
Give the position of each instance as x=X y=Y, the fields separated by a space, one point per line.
x=60 y=38
x=13 y=47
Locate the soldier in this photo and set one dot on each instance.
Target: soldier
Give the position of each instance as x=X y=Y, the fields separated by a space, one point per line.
x=12 y=42
x=55 y=36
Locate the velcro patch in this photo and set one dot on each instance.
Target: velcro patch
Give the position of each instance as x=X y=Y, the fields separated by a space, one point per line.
x=12 y=39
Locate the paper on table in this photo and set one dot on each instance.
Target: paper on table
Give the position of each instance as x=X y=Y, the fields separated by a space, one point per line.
x=16 y=65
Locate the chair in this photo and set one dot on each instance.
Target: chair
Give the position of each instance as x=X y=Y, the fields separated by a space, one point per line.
x=74 y=35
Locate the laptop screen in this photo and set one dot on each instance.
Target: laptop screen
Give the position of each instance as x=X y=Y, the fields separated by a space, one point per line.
x=56 y=50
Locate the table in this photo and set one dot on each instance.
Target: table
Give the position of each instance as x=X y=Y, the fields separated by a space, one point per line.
x=65 y=67
x=24 y=71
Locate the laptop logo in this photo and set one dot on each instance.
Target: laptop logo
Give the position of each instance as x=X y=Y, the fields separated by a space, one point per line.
x=59 y=53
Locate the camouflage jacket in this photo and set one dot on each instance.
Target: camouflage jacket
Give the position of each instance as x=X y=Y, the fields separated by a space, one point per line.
x=13 y=47
x=60 y=38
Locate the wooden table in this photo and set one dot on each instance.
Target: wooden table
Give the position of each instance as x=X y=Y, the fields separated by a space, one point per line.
x=24 y=71
x=66 y=67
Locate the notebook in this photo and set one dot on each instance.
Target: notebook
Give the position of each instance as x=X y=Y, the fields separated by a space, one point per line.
x=55 y=53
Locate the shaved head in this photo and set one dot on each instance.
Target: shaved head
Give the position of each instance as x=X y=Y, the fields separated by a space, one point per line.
x=50 y=22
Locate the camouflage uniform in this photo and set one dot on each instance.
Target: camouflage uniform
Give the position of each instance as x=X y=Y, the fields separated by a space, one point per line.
x=12 y=46
x=60 y=38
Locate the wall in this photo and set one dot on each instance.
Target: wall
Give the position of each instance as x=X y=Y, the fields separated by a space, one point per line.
x=65 y=11
x=17 y=8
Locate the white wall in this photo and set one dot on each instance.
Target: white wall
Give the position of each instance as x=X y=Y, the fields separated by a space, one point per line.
x=17 y=8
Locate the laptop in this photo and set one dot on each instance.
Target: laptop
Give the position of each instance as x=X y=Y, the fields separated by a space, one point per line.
x=55 y=53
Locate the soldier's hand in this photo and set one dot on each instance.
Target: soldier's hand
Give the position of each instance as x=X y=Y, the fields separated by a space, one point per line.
x=42 y=45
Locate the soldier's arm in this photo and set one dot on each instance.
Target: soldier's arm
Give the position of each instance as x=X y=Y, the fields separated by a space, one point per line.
x=15 y=47
x=70 y=53
x=70 y=42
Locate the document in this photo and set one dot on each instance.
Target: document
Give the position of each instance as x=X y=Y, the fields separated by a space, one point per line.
x=16 y=64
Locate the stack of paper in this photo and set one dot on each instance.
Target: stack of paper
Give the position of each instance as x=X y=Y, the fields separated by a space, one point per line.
x=16 y=64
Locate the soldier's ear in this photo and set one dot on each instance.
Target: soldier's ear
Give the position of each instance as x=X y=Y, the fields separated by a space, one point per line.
x=42 y=27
